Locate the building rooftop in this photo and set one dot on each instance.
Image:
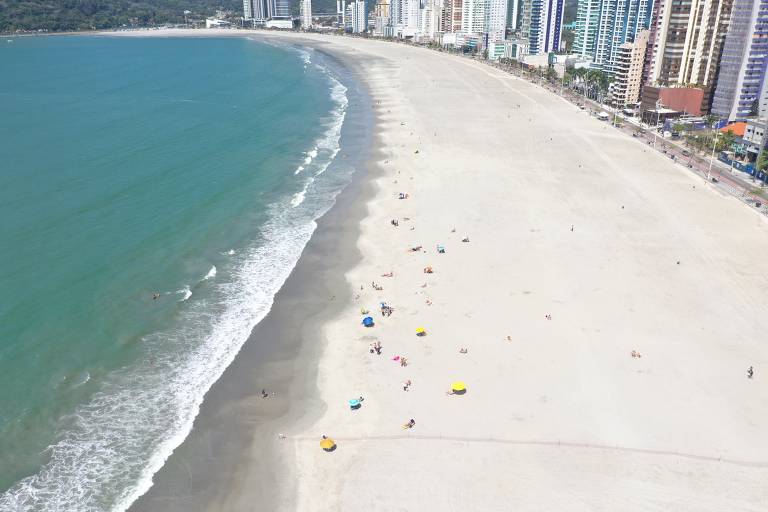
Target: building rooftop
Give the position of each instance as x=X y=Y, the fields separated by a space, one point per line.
x=737 y=129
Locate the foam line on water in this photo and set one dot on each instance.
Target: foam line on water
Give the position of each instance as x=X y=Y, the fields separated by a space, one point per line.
x=113 y=445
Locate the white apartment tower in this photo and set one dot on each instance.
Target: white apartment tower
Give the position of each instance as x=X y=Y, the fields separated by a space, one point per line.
x=356 y=18
x=496 y=20
x=473 y=16
x=306 y=14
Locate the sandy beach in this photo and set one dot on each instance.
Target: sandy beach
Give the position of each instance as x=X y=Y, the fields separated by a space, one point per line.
x=584 y=247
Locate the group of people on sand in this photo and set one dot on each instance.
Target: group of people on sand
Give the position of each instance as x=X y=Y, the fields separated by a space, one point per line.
x=375 y=347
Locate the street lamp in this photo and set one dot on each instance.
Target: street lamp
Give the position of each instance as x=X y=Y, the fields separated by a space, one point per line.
x=712 y=156
x=658 y=120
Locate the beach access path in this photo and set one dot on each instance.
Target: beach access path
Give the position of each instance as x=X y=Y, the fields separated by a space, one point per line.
x=559 y=417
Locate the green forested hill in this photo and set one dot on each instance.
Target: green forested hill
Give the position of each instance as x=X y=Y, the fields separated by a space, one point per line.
x=58 y=15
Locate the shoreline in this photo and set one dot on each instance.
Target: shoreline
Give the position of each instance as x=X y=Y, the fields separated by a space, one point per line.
x=494 y=158
x=246 y=447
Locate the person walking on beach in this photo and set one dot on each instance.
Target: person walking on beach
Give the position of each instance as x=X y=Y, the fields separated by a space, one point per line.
x=750 y=372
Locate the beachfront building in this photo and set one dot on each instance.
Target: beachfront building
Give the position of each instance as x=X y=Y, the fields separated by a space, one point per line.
x=356 y=19
x=453 y=11
x=270 y=13
x=430 y=19
x=603 y=26
x=516 y=49
x=496 y=21
x=382 y=26
x=306 y=14
x=628 y=71
x=587 y=23
x=741 y=85
x=686 y=42
x=541 y=23
x=247 y=9
x=473 y=16
x=513 y=14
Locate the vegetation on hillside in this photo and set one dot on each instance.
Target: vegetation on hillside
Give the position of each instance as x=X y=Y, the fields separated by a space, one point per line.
x=64 y=15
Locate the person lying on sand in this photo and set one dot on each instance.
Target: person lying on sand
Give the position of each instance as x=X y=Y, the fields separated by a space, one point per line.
x=403 y=361
x=388 y=274
x=636 y=354
x=463 y=350
x=428 y=270
x=407 y=385
x=415 y=249
x=465 y=239
x=411 y=423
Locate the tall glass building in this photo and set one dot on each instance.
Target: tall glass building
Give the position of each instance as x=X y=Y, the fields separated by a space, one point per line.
x=542 y=24
x=602 y=26
x=741 y=82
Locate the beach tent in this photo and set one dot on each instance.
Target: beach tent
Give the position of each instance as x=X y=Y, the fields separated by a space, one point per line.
x=328 y=444
x=420 y=331
x=458 y=387
x=368 y=321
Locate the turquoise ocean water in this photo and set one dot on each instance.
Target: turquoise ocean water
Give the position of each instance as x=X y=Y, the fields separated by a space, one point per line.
x=192 y=168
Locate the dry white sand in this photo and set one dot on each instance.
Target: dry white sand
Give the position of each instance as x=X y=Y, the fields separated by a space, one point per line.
x=561 y=417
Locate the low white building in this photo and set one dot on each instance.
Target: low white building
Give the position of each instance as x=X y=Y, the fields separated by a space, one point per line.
x=515 y=49
x=216 y=23
x=496 y=50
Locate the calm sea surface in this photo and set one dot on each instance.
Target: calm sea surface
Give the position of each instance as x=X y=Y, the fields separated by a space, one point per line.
x=190 y=168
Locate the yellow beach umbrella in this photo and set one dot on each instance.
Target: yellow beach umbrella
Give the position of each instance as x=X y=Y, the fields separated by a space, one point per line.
x=327 y=444
x=459 y=386
x=421 y=331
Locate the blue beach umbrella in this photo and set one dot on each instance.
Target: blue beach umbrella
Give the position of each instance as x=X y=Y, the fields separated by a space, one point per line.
x=354 y=404
x=368 y=321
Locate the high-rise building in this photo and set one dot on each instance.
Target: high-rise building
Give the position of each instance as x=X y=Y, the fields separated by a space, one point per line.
x=602 y=26
x=247 y=10
x=261 y=11
x=382 y=26
x=741 y=84
x=341 y=13
x=688 y=37
x=628 y=71
x=453 y=11
x=495 y=20
x=541 y=23
x=473 y=16
x=356 y=17
x=430 y=23
x=306 y=14
x=513 y=14
x=587 y=23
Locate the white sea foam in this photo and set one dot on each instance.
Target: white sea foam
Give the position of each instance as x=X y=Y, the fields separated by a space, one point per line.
x=211 y=273
x=230 y=252
x=186 y=292
x=298 y=169
x=113 y=445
